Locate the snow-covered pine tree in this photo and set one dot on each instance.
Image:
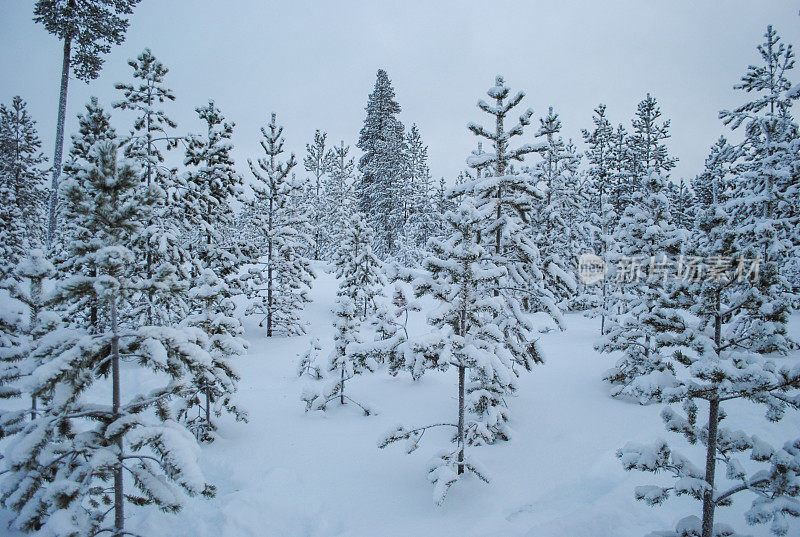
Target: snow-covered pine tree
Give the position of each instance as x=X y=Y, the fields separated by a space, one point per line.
x=553 y=231
x=204 y=205
x=204 y=208
x=94 y=129
x=383 y=167
x=278 y=285
x=215 y=385
x=681 y=201
x=717 y=173
x=421 y=220
x=621 y=171
x=579 y=194
x=94 y=126
x=600 y=156
x=646 y=237
x=358 y=268
x=159 y=241
x=443 y=203
x=66 y=469
x=22 y=184
x=87 y=29
x=319 y=162
x=393 y=345
x=146 y=98
x=461 y=277
x=507 y=200
x=766 y=205
x=725 y=311
x=344 y=362
x=23 y=328
x=340 y=203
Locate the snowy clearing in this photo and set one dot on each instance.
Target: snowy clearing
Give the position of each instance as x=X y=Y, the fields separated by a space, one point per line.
x=292 y=473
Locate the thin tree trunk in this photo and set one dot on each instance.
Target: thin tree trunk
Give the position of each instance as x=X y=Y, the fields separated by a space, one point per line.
x=269 y=268
x=208 y=405
x=36 y=296
x=93 y=312
x=461 y=419
x=119 y=513
x=711 y=461
x=341 y=387
x=59 y=149
x=713 y=418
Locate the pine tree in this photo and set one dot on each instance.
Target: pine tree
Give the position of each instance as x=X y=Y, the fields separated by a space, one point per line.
x=554 y=232
x=681 y=200
x=91 y=27
x=622 y=179
x=724 y=311
x=339 y=198
x=507 y=200
x=66 y=468
x=769 y=163
x=204 y=209
x=319 y=162
x=278 y=286
x=344 y=362
x=160 y=240
x=420 y=222
x=601 y=158
x=22 y=329
x=204 y=206
x=460 y=276
x=646 y=237
x=94 y=129
x=383 y=167
x=215 y=385
x=714 y=185
x=21 y=184
x=358 y=267
x=393 y=346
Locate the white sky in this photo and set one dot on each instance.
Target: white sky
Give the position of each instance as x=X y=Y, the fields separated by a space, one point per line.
x=314 y=64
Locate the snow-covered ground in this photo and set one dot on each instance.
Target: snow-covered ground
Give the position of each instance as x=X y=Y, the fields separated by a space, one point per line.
x=291 y=473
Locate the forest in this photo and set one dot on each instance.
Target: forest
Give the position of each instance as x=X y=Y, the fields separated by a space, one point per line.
x=186 y=349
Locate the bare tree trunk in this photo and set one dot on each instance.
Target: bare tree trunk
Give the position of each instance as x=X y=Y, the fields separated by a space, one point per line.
x=341 y=387
x=59 y=149
x=208 y=405
x=711 y=461
x=711 y=449
x=460 y=419
x=36 y=297
x=119 y=513
x=270 y=269
x=93 y=312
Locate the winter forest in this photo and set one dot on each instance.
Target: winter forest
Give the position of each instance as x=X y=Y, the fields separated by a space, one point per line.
x=565 y=337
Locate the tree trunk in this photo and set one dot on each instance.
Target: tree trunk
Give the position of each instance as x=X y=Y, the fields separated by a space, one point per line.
x=711 y=461
x=269 y=269
x=59 y=149
x=713 y=418
x=93 y=312
x=461 y=419
x=208 y=405
x=119 y=513
x=33 y=320
x=341 y=387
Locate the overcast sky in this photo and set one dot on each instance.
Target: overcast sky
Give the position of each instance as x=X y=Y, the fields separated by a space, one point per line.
x=314 y=64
